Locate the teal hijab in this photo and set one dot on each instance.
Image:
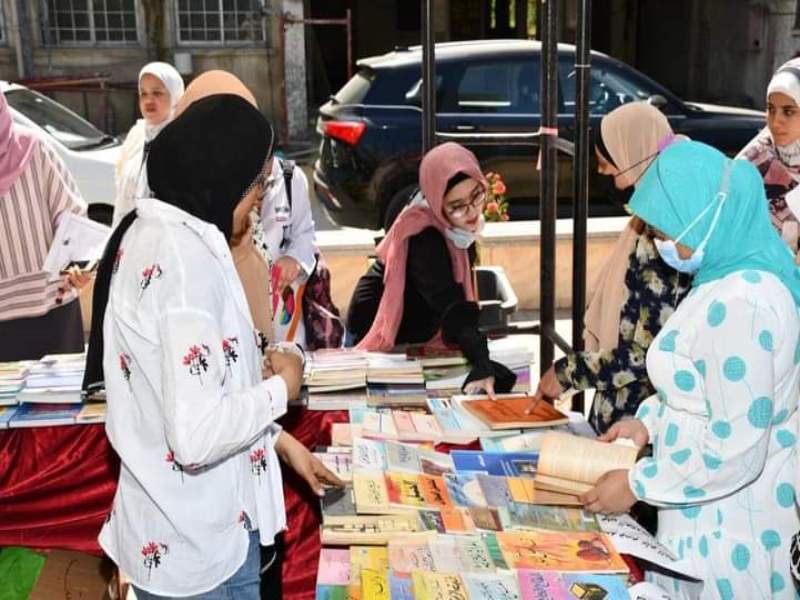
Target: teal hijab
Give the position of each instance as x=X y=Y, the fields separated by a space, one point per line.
x=683 y=181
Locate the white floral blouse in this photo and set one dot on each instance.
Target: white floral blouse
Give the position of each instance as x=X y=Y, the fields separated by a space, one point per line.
x=188 y=412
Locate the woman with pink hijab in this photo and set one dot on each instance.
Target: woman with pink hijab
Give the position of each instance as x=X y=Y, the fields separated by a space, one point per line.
x=421 y=289
x=38 y=315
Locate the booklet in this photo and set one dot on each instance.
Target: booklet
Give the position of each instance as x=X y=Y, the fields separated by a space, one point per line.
x=77 y=240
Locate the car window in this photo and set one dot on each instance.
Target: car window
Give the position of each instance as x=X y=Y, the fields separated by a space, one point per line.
x=61 y=123
x=507 y=87
x=354 y=91
x=609 y=89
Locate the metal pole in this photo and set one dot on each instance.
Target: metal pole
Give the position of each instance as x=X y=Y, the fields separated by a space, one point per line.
x=428 y=77
x=349 y=44
x=580 y=197
x=548 y=181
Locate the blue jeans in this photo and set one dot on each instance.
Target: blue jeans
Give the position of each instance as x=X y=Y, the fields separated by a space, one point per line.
x=243 y=585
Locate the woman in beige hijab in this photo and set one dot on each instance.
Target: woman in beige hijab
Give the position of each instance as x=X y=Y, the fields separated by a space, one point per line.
x=252 y=266
x=635 y=292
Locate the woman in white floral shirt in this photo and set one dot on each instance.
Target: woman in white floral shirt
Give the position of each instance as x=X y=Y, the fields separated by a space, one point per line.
x=189 y=411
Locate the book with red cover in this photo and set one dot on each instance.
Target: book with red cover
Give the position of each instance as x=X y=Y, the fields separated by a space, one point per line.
x=510 y=412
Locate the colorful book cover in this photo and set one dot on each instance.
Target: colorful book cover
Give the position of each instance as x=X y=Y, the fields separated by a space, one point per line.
x=6 y=414
x=339 y=502
x=473 y=554
x=495 y=552
x=370 y=493
x=500 y=586
x=401 y=586
x=485 y=518
x=426 y=425
x=404 y=490
x=368 y=529
x=432 y=520
x=444 y=414
x=554 y=518
x=436 y=586
x=332 y=592
x=368 y=455
x=374 y=585
x=495 y=489
x=522 y=489
x=407 y=555
x=506 y=464
x=404 y=425
x=560 y=551
x=464 y=489
x=334 y=567
x=512 y=412
x=445 y=554
x=402 y=457
x=340 y=463
x=435 y=463
x=456 y=519
x=530 y=441
x=593 y=586
x=374 y=558
x=541 y=585
x=42 y=415
x=434 y=491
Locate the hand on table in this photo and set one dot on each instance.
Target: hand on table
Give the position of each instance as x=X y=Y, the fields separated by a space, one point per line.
x=305 y=464
x=611 y=495
x=548 y=390
x=481 y=385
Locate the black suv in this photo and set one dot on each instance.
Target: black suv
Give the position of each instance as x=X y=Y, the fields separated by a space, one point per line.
x=371 y=129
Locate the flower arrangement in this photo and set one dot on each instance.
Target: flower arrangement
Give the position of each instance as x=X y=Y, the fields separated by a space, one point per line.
x=496 y=208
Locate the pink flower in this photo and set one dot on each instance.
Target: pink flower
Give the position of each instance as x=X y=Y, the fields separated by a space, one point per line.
x=499 y=187
x=170 y=456
x=491 y=207
x=505 y=217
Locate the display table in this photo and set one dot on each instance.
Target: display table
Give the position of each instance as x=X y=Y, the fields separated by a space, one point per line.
x=57 y=485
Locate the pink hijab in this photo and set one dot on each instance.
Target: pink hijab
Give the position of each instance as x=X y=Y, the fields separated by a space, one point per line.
x=437 y=168
x=16 y=148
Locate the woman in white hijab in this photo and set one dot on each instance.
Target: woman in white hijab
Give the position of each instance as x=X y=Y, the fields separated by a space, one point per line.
x=160 y=88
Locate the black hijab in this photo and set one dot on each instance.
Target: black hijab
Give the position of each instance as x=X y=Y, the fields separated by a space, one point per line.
x=203 y=162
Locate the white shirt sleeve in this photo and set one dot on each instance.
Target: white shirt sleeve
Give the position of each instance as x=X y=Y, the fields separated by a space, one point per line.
x=204 y=423
x=301 y=245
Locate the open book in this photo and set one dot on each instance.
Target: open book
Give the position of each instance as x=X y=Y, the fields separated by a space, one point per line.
x=570 y=464
x=510 y=412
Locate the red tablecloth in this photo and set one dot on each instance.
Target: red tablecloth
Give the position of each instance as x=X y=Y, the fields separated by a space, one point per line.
x=57 y=485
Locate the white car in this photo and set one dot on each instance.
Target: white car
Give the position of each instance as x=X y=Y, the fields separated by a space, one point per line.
x=89 y=153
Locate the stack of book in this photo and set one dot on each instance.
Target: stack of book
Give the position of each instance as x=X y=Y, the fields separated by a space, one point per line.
x=12 y=380
x=335 y=379
x=394 y=369
x=49 y=394
x=55 y=379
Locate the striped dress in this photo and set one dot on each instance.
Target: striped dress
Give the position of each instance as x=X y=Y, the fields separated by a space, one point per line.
x=29 y=214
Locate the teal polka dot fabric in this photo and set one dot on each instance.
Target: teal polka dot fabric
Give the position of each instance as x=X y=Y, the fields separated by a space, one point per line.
x=725 y=437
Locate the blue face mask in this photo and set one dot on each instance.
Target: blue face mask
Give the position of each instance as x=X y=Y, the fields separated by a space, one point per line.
x=668 y=249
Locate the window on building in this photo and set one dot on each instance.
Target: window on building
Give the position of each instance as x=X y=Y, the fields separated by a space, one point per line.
x=90 y=21
x=220 y=22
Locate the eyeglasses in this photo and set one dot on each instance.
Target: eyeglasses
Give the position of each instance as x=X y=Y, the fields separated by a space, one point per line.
x=459 y=208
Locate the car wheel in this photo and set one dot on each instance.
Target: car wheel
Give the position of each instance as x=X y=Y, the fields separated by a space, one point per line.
x=395 y=204
x=102 y=213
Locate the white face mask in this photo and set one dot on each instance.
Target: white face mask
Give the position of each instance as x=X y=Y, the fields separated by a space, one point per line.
x=668 y=249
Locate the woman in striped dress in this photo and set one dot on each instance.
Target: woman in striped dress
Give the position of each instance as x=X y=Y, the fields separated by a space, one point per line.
x=37 y=316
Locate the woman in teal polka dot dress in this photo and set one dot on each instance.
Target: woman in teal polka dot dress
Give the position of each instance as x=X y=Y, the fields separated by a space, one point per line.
x=726 y=367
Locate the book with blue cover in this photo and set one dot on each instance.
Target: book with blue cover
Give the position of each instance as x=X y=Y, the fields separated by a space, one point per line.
x=506 y=464
x=44 y=415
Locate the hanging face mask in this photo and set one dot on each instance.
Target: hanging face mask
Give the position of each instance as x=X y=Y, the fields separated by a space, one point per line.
x=668 y=249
